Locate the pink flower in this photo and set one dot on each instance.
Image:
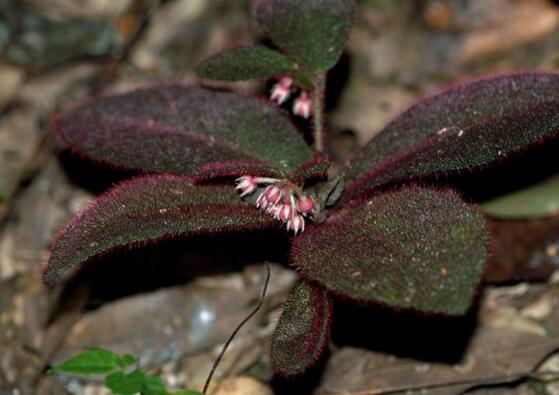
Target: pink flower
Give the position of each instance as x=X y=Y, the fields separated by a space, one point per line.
x=279 y=200
x=302 y=105
x=296 y=224
x=305 y=204
x=285 y=212
x=273 y=210
x=246 y=184
x=281 y=91
x=273 y=194
x=269 y=198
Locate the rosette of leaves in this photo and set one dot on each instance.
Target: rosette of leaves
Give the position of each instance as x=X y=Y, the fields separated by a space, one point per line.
x=394 y=237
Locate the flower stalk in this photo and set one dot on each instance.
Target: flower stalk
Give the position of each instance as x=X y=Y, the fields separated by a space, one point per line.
x=318 y=111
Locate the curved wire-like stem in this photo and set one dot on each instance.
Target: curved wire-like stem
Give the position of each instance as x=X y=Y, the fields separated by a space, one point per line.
x=318 y=111
x=237 y=329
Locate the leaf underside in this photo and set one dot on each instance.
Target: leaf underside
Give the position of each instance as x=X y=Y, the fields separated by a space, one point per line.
x=313 y=32
x=245 y=63
x=146 y=209
x=537 y=201
x=179 y=129
x=464 y=127
x=413 y=248
x=302 y=331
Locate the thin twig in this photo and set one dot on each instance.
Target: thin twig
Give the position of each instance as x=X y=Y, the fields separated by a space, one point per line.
x=237 y=329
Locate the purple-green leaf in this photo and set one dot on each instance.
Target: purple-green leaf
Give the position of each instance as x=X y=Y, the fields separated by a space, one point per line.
x=466 y=126
x=413 y=248
x=245 y=63
x=316 y=169
x=180 y=129
x=146 y=209
x=234 y=169
x=302 y=331
x=313 y=32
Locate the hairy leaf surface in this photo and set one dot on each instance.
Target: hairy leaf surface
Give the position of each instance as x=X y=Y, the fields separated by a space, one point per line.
x=413 y=248
x=466 y=126
x=179 y=129
x=303 y=330
x=145 y=209
x=313 y=32
x=315 y=169
x=245 y=63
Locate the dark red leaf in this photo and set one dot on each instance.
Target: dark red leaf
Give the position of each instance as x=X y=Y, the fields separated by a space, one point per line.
x=303 y=330
x=145 y=209
x=316 y=169
x=413 y=248
x=464 y=127
x=182 y=129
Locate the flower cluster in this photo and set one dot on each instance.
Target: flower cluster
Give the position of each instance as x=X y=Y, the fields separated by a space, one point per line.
x=282 y=90
x=279 y=199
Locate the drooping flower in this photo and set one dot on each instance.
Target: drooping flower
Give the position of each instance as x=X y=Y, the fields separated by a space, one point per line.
x=282 y=90
x=280 y=199
x=285 y=212
x=247 y=185
x=296 y=224
x=302 y=105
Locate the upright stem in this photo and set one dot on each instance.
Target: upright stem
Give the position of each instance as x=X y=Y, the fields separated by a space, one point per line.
x=318 y=112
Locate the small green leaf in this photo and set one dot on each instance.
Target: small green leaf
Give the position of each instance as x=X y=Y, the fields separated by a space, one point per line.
x=537 y=201
x=245 y=63
x=88 y=362
x=413 y=248
x=124 y=384
x=313 y=32
x=135 y=383
x=127 y=360
x=302 y=331
x=153 y=385
x=3 y=195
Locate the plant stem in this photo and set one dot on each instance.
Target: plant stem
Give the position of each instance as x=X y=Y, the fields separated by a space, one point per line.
x=318 y=112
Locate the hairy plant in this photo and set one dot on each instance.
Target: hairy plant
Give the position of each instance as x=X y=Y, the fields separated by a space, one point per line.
x=380 y=230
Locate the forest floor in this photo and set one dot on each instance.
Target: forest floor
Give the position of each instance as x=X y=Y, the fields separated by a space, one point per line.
x=174 y=305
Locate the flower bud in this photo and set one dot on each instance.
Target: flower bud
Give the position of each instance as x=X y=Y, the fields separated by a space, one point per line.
x=281 y=91
x=305 y=204
x=302 y=105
